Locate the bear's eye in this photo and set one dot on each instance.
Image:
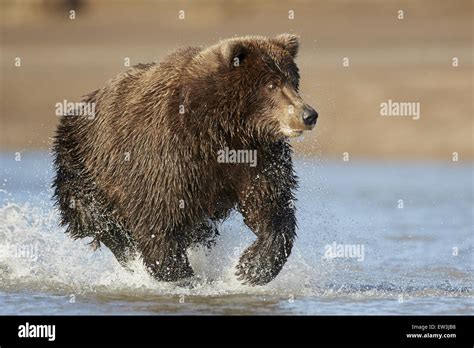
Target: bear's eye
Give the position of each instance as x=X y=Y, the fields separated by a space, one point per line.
x=271 y=86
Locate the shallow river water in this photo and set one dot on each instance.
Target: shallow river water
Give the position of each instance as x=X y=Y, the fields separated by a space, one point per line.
x=373 y=238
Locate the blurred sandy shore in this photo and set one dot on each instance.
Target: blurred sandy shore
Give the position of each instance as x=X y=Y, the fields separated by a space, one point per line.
x=402 y=60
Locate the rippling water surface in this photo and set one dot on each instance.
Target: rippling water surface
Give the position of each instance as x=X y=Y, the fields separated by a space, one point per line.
x=411 y=223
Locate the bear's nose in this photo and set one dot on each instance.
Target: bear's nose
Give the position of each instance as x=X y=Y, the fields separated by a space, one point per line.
x=309 y=116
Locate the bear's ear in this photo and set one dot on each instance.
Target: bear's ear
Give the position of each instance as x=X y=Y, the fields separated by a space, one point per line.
x=289 y=42
x=234 y=53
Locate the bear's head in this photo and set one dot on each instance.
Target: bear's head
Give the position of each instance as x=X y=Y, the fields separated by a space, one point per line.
x=256 y=80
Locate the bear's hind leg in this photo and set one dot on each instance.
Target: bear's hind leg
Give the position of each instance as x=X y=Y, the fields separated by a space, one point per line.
x=95 y=220
x=85 y=216
x=84 y=208
x=119 y=242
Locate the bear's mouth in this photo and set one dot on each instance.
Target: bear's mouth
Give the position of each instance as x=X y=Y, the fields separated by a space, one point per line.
x=291 y=133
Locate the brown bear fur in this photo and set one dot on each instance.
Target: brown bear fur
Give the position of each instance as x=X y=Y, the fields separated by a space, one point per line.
x=142 y=175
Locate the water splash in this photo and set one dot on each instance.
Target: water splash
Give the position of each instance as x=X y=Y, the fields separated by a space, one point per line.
x=35 y=254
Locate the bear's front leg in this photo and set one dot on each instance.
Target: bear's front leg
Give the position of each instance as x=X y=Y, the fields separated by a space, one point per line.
x=272 y=218
x=165 y=257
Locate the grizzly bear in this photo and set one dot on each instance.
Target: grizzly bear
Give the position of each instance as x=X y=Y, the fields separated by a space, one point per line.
x=145 y=174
